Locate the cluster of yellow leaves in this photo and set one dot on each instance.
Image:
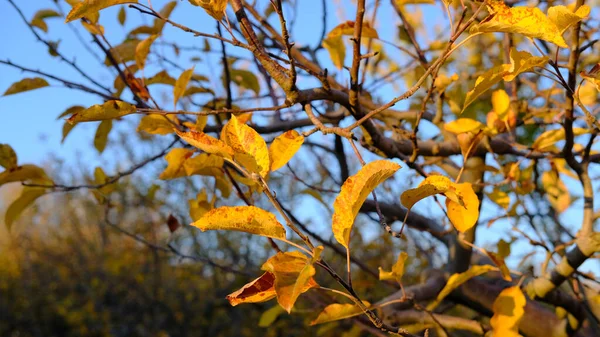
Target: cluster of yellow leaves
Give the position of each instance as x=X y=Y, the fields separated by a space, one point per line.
x=461 y=201
x=334 y=44
x=531 y=22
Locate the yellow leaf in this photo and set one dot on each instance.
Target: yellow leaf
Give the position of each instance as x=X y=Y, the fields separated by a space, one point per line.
x=508 y=308
x=593 y=76
x=181 y=85
x=268 y=317
x=335 y=312
x=397 y=270
x=337 y=51
x=499 y=262
x=528 y=21
x=215 y=8
x=206 y=143
x=414 y=2
x=89 y=7
x=249 y=219
x=165 y=12
x=250 y=148
x=199 y=206
x=122 y=15
x=556 y=191
x=175 y=160
x=161 y=77
x=8 y=157
x=464 y=216
x=101 y=137
x=500 y=198
x=93 y=28
x=564 y=18
x=40 y=16
x=142 y=50
x=284 y=147
x=522 y=61
x=463 y=125
x=501 y=103
x=456 y=280
x=433 y=184
x=124 y=52
x=27 y=197
x=259 y=290
x=549 y=138
x=157 y=124
x=347 y=28
x=23 y=173
x=243 y=78
x=26 y=84
x=293 y=276
x=353 y=194
x=485 y=82
x=108 y=110
x=203 y=164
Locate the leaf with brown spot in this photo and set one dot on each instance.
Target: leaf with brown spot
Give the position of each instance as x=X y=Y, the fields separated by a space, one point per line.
x=250 y=148
x=108 y=110
x=259 y=290
x=206 y=143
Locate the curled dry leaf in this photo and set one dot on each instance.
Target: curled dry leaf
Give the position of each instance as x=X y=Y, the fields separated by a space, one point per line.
x=249 y=219
x=353 y=194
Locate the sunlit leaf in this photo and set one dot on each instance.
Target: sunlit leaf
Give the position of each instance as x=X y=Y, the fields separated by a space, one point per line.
x=463 y=125
x=522 y=61
x=353 y=194
x=8 y=157
x=88 y=7
x=259 y=290
x=26 y=84
x=499 y=197
x=485 y=82
x=337 y=51
x=347 y=28
x=284 y=147
x=463 y=215
x=158 y=124
x=108 y=110
x=203 y=164
x=508 y=308
x=249 y=219
x=175 y=160
x=181 y=84
x=501 y=103
x=250 y=148
x=93 y=28
x=593 y=76
x=456 y=280
x=563 y=17
x=16 y=208
x=206 y=143
x=215 y=8
x=432 y=185
x=397 y=270
x=293 y=276
x=142 y=50
x=161 y=77
x=335 y=312
x=556 y=191
x=101 y=137
x=549 y=138
x=23 y=173
x=199 y=206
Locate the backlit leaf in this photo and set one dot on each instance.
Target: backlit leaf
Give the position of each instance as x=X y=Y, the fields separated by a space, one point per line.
x=108 y=110
x=175 y=160
x=433 y=184
x=397 y=270
x=336 y=311
x=337 y=51
x=206 y=143
x=463 y=125
x=353 y=194
x=508 y=308
x=347 y=28
x=215 y=8
x=564 y=18
x=8 y=157
x=556 y=191
x=27 y=197
x=284 y=147
x=463 y=216
x=244 y=78
x=26 y=84
x=522 y=61
x=259 y=290
x=88 y=7
x=142 y=50
x=250 y=148
x=485 y=82
x=249 y=219
x=161 y=77
x=293 y=276
x=203 y=164
x=456 y=280
x=500 y=198
x=101 y=137
x=199 y=206
x=181 y=84
x=548 y=139
x=592 y=76
x=501 y=104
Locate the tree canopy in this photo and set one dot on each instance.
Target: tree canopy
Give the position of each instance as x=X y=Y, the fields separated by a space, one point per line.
x=287 y=167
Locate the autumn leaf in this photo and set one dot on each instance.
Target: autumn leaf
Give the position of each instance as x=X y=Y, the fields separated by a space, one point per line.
x=509 y=308
x=501 y=104
x=142 y=50
x=16 y=208
x=215 y=8
x=259 y=290
x=175 y=160
x=463 y=215
x=101 y=137
x=161 y=77
x=564 y=18
x=353 y=194
x=336 y=49
x=284 y=147
x=397 y=270
x=93 y=28
x=23 y=173
x=181 y=85
x=463 y=125
x=268 y=317
x=26 y=84
x=456 y=280
x=203 y=164
x=347 y=28
x=122 y=16
x=250 y=148
x=40 y=16
x=336 y=311
x=556 y=191
x=249 y=219
x=293 y=273
x=88 y=7
x=108 y=110
x=8 y=157
x=549 y=138
x=199 y=206
x=432 y=185
x=206 y=143
x=593 y=76
x=244 y=79
x=157 y=124
x=522 y=61
x=500 y=198
x=484 y=82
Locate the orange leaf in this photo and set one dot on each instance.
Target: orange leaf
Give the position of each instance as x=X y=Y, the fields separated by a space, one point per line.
x=206 y=143
x=260 y=290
